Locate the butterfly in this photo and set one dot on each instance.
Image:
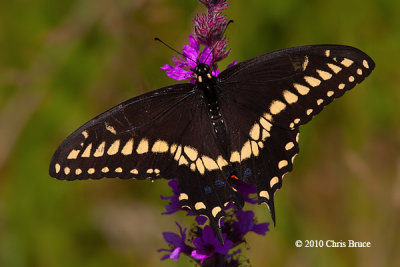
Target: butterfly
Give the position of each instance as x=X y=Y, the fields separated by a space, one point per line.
x=241 y=125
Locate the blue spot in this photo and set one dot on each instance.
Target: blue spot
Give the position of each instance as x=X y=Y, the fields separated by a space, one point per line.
x=247 y=172
x=207 y=190
x=219 y=183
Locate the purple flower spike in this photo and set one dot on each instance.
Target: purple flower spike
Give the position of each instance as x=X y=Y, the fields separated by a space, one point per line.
x=208 y=244
x=208 y=45
x=177 y=242
x=208 y=31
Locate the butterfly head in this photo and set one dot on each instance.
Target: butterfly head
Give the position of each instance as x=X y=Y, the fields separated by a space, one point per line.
x=202 y=71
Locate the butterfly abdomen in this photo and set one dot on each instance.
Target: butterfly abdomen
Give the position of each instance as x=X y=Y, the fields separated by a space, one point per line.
x=217 y=121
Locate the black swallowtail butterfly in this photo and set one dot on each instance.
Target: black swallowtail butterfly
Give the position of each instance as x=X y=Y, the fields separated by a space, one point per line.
x=243 y=124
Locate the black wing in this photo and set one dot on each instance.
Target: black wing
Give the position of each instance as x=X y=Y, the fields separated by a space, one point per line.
x=265 y=99
x=162 y=134
x=122 y=142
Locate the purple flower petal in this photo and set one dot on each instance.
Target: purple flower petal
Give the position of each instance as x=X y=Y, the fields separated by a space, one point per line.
x=215 y=73
x=194 y=43
x=206 y=56
x=175 y=253
x=246 y=224
x=163 y=258
x=198 y=243
x=232 y=64
x=225 y=248
x=176 y=73
x=208 y=235
x=245 y=219
x=177 y=242
x=174 y=185
x=164 y=198
x=208 y=243
x=246 y=190
x=261 y=228
x=190 y=55
x=201 y=220
x=172 y=238
x=174 y=205
x=197 y=254
x=189 y=212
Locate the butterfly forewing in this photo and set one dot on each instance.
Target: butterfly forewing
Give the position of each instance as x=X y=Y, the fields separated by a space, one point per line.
x=294 y=84
x=128 y=140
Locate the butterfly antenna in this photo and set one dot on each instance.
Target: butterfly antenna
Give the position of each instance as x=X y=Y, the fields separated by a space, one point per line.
x=173 y=49
x=215 y=46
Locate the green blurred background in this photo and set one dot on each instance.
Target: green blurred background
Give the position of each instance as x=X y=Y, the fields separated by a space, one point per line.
x=63 y=62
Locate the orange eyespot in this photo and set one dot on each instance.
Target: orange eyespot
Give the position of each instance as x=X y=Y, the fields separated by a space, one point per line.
x=234 y=177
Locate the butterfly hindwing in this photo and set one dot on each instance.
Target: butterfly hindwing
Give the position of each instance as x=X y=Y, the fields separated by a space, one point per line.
x=262 y=153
